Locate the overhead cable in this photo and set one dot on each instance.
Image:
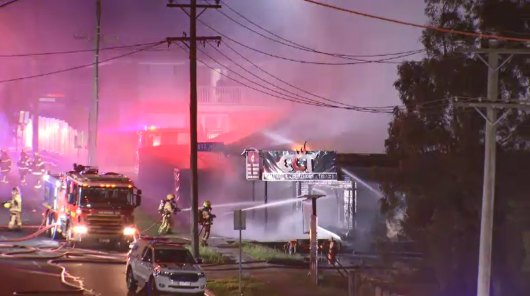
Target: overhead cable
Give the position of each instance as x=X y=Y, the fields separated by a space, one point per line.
x=428 y=27
x=289 y=43
x=273 y=93
x=15 y=55
x=81 y=66
x=388 y=59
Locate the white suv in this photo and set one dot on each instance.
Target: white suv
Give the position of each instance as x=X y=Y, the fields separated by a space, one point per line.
x=162 y=266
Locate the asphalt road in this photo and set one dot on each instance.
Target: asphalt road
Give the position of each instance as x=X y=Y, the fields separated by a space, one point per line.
x=33 y=275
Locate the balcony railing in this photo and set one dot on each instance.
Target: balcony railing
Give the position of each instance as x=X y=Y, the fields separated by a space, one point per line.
x=224 y=95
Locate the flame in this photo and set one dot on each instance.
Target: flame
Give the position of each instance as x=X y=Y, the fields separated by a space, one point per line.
x=300 y=147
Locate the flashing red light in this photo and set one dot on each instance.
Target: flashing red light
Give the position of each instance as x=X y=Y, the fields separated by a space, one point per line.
x=150 y=128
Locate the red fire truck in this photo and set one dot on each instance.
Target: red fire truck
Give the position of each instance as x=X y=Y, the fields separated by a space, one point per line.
x=84 y=205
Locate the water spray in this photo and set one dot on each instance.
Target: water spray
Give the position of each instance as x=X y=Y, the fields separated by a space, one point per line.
x=327 y=232
x=362 y=182
x=273 y=204
x=230 y=205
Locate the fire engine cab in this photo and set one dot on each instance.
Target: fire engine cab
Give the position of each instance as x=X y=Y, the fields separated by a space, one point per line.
x=83 y=205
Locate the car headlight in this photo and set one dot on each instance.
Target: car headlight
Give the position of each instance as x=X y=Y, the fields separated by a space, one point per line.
x=129 y=231
x=80 y=229
x=201 y=274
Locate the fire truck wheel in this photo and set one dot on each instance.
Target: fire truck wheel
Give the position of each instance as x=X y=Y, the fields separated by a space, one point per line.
x=68 y=236
x=52 y=232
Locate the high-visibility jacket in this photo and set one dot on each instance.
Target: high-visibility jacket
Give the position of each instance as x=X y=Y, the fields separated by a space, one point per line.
x=16 y=203
x=37 y=165
x=205 y=216
x=24 y=162
x=5 y=164
x=168 y=207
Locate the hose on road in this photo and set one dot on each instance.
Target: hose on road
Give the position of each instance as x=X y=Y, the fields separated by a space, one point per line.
x=56 y=256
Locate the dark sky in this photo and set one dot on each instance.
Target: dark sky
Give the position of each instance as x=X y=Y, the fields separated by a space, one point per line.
x=35 y=25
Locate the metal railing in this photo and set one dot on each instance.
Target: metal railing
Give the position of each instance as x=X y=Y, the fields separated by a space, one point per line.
x=224 y=95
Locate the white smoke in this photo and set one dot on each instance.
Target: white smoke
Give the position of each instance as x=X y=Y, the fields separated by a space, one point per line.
x=394 y=225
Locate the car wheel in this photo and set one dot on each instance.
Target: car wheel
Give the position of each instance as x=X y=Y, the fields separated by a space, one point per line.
x=131 y=282
x=152 y=290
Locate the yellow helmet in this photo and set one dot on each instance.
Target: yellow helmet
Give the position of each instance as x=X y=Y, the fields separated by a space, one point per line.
x=207 y=204
x=7 y=205
x=170 y=196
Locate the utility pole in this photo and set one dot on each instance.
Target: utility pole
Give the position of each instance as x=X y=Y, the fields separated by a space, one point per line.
x=191 y=42
x=490 y=142
x=94 y=106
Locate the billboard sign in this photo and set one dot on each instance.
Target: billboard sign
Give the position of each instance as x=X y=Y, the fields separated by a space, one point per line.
x=252 y=165
x=299 y=166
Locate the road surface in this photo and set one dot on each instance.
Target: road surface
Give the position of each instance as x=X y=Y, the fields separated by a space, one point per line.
x=33 y=274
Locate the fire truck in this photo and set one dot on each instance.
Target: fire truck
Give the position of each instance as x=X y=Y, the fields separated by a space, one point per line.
x=84 y=205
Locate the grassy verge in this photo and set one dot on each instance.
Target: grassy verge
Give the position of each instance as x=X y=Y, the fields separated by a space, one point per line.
x=210 y=256
x=145 y=222
x=230 y=287
x=263 y=253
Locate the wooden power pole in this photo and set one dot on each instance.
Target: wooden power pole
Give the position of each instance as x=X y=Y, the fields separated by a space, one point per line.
x=191 y=43
x=94 y=106
x=492 y=105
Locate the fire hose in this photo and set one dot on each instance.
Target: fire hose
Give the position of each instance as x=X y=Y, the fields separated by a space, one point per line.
x=75 y=284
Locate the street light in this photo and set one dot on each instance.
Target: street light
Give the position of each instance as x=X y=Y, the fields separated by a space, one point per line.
x=313 y=241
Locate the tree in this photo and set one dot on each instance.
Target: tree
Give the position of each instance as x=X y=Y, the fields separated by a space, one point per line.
x=440 y=147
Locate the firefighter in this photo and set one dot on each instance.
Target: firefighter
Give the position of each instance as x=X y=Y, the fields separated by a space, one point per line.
x=23 y=166
x=37 y=169
x=5 y=165
x=167 y=208
x=206 y=220
x=292 y=245
x=332 y=251
x=15 y=209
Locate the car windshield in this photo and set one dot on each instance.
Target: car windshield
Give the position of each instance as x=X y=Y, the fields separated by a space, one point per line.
x=173 y=256
x=106 y=197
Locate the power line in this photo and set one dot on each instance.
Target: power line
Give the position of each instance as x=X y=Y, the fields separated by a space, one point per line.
x=304 y=61
x=296 y=96
x=390 y=108
x=260 y=78
x=293 y=97
x=4 y=4
x=292 y=44
x=279 y=95
x=73 y=51
x=279 y=79
x=81 y=66
x=251 y=87
x=434 y=28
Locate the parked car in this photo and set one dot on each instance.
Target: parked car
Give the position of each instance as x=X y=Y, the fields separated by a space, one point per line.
x=162 y=266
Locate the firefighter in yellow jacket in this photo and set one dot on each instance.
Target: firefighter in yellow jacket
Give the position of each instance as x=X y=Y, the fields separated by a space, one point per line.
x=167 y=208
x=15 y=209
x=206 y=220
